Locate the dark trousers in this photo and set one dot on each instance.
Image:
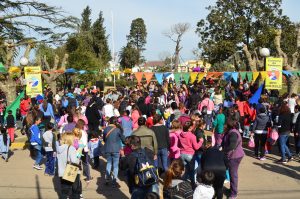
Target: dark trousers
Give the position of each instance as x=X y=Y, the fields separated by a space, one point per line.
x=296 y=139
x=86 y=165
x=162 y=159
x=96 y=162
x=233 y=172
x=260 y=142
x=71 y=189
x=218 y=183
x=50 y=163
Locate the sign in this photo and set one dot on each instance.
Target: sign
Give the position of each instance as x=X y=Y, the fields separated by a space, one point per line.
x=33 y=81
x=274 y=73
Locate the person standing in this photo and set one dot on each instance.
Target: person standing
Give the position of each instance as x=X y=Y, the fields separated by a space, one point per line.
x=36 y=143
x=10 y=126
x=47 y=110
x=284 y=121
x=93 y=116
x=163 y=141
x=232 y=147
x=218 y=125
x=49 y=144
x=113 y=138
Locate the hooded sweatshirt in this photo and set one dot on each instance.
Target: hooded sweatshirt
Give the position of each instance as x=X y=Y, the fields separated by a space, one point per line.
x=179 y=188
x=188 y=143
x=261 y=124
x=62 y=157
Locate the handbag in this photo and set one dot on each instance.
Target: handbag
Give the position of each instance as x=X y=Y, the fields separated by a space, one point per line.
x=251 y=143
x=71 y=170
x=107 y=135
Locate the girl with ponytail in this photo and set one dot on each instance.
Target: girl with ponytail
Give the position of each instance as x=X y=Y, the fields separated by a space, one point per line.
x=174 y=185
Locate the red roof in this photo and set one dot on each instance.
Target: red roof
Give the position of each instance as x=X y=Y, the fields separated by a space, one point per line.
x=154 y=63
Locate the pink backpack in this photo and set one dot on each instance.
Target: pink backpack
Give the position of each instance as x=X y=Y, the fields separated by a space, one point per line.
x=251 y=143
x=274 y=135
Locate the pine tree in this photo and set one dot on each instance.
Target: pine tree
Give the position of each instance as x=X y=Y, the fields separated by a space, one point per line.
x=100 y=44
x=86 y=21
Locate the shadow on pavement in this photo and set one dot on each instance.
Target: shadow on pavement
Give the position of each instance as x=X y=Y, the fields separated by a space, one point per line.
x=38 y=188
x=107 y=190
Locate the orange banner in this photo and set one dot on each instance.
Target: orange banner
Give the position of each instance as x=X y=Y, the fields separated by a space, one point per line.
x=139 y=77
x=148 y=77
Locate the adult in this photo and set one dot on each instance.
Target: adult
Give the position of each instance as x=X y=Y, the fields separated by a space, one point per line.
x=260 y=128
x=126 y=123
x=284 y=120
x=174 y=185
x=93 y=116
x=138 y=192
x=113 y=138
x=25 y=106
x=47 y=110
x=147 y=136
x=135 y=115
x=163 y=141
x=232 y=147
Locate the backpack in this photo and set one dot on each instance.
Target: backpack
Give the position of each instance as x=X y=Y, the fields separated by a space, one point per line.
x=173 y=192
x=145 y=174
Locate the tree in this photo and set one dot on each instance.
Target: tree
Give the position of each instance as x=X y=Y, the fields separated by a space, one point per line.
x=100 y=43
x=175 y=34
x=86 y=21
x=129 y=56
x=232 y=23
x=137 y=36
x=51 y=25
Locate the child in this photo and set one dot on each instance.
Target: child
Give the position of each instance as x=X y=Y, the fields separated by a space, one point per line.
x=94 y=148
x=10 y=125
x=247 y=122
x=49 y=145
x=205 y=190
x=126 y=123
x=36 y=142
x=4 y=143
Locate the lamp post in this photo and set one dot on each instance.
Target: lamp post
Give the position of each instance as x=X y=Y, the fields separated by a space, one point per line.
x=24 y=62
x=264 y=52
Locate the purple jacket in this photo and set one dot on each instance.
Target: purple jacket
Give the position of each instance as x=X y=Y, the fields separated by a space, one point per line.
x=237 y=151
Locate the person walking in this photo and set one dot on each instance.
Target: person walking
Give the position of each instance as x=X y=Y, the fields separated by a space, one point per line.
x=49 y=144
x=36 y=143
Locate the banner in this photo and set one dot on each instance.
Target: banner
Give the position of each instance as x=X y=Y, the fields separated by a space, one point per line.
x=274 y=71
x=186 y=77
x=14 y=105
x=148 y=77
x=255 y=75
x=200 y=77
x=193 y=76
x=159 y=77
x=139 y=77
x=177 y=78
x=33 y=81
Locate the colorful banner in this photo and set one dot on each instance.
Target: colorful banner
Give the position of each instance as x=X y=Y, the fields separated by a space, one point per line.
x=200 y=77
x=193 y=76
x=148 y=77
x=186 y=77
x=33 y=81
x=139 y=77
x=243 y=75
x=255 y=75
x=177 y=77
x=274 y=73
x=235 y=76
x=159 y=77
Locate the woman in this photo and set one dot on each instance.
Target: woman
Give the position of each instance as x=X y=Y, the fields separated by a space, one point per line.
x=135 y=114
x=79 y=116
x=174 y=151
x=284 y=120
x=218 y=125
x=260 y=128
x=113 y=138
x=83 y=143
x=232 y=147
x=47 y=109
x=174 y=185
x=67 y=152
x=188 y=145
x=93 y=115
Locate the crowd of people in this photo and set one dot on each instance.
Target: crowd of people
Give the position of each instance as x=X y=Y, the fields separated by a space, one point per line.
x=187 y=137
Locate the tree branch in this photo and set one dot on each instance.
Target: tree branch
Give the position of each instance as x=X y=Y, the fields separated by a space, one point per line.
x=280 y=52
x=45 y=63
x=250 y=60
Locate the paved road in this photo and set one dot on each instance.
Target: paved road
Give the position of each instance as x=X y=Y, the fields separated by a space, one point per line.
x=257 y=180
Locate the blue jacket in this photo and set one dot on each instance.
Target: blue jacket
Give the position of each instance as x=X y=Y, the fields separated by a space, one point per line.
x=35 y=135
x=113 y=143
x=49 y=111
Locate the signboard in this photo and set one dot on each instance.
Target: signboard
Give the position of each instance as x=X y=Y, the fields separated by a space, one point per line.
x=33 y=81
x=274 y=71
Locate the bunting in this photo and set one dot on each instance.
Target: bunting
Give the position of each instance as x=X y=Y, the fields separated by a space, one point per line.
x=177 y=77
x=193 y=76
x=200 y=77
x=159 y=77
x=186 y=77
x=255 y=75
x=249 y=76
x=227 y=76
x=263 y=75
x=235 y=76
x=139 y=77
x=243 y=75
x=148 y=77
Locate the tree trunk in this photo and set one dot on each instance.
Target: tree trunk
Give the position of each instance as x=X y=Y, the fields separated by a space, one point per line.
x=293 y=85
x=10 y=90
x=250 y=60
x=52 y=85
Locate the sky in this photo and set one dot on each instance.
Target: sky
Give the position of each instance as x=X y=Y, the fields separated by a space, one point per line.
x=159 y=16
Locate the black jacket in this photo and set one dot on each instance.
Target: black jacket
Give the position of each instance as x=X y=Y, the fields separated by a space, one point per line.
x=297 y=124
x=10 y=121
x=214 y=160
x=92 y=113
x=162 y=136
x=285 y=123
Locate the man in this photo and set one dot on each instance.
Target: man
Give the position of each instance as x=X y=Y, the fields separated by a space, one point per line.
x=147 y=136
x=136 y=191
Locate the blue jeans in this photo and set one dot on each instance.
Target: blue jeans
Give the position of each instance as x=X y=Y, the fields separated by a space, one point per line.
x=112 y=161
x=38 y=154
x=283 y=147
x=189 y=168
x=162 y=157
x=138 y=192
x=50 y=163
x=4 y=148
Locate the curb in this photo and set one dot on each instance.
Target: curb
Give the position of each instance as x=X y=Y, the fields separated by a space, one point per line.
x=18 y=145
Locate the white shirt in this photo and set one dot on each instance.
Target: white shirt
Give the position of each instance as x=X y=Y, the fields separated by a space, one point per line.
x=108 y=110
x=292 y=104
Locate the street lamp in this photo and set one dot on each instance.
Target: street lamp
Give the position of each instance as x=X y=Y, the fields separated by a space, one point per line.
x=24 y=61
x=264 y=52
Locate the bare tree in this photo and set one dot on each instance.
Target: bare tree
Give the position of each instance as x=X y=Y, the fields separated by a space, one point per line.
x=175 y=34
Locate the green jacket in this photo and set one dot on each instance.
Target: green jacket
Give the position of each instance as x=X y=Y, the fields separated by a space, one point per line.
x=219 y=123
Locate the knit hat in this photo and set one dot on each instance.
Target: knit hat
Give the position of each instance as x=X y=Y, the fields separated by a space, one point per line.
x=204 y=192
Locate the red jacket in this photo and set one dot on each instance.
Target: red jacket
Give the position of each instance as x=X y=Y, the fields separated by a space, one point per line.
x=24 y=106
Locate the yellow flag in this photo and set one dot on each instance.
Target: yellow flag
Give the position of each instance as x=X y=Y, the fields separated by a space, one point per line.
x=193 y=76
x=263 y=74
x=255 y=75
x=200 y=77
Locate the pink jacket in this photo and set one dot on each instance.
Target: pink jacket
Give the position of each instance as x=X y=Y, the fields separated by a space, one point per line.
x=135 y=116
x=188 y=143
x=206 y=102
x=174 y=149
x=83 y=117
x=63 y=120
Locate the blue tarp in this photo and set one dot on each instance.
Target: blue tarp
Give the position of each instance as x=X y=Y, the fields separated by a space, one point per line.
x=254 y=99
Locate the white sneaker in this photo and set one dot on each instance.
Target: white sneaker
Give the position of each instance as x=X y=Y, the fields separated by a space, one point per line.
x=37 y=167
x=226 y=181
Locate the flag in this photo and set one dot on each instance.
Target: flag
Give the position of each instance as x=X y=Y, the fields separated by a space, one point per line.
x=139 y=77
x=235 y=76
x=193 y=76
x=200 y=77
x=14 y=105
x=148 y=77
x=159 y=77
x=256 y=96
x=177 y=77
x=186 y=77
